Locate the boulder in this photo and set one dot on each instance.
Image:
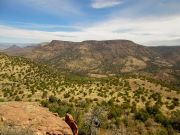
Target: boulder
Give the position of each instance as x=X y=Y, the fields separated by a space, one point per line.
x=31 y=115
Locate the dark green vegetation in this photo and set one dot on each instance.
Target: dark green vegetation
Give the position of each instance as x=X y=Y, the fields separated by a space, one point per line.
x=106 y=58
x=110 y=116
x=129 y=104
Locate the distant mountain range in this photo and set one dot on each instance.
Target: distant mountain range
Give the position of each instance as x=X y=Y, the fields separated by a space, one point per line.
x=111 y=57
x=175 y=42
x=4 y=46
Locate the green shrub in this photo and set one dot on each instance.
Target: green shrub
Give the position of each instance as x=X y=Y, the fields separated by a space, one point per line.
x=2 y=100
x=53 y=107
x=141 y=115
x=175 y=120
x=95 y=99
x=175 y=101
x=160 y=118
x=17 y=98
x=114 y=112
x=111 y=102
x=133 y=108
x=45 y=103
x=52 y=99
x=156 y=96
x=66 y=95
x=153 y=110
x=171 y=107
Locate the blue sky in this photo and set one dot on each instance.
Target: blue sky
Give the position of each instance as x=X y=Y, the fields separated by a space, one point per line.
x=143 y=21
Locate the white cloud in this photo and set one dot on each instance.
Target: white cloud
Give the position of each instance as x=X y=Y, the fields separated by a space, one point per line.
x=105 y=3
x=174 y=42
x=54 y=7
x=139 y=30
x=32 y=35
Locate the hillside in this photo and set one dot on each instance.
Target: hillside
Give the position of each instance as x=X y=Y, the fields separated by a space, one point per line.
x=94 y=56
x=106 y=58
x=115 y=101
x=171 y=53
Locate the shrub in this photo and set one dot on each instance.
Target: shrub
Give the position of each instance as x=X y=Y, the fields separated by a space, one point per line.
x=153 y=110
x=53 y=107
x=2 y=100
x=95 y=99
x=5 y=94
x=133 y=107
x=175 y=120
x=114 y=112
x=125 y=105
x=21 y=92
x=17 y=98
x=44 y=103
x=160 y=118
x=111 y=102
x=117 y=121
x=62 y=110
x=29 y=96
x=143 y=99
x=156 y=96
x=141 y=115
x=175 y=101
x=171 y=107
x=52 y=99
x=66 y=95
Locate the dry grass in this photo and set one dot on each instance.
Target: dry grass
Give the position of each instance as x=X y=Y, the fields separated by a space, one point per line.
x=11 y=130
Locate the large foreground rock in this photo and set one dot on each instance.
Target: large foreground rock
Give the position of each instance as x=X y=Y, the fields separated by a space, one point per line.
x=32 y=116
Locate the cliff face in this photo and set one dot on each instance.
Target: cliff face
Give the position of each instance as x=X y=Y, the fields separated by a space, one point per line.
x=33 y=117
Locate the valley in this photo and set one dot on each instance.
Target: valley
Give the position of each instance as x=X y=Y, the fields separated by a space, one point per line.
x=89 y=67
x=110 y=57
x=125 y=100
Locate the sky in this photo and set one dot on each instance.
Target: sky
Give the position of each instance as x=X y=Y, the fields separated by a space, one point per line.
x=149 y=22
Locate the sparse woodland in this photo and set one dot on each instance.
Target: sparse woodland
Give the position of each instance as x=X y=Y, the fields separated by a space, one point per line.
x=128 y=105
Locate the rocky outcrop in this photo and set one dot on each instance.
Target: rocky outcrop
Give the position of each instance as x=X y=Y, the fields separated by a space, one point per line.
x=70 y=121
x=32 y=116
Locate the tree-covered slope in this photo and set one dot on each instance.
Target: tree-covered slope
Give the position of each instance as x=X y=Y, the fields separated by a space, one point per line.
x=111 y=57
x=116 y=102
